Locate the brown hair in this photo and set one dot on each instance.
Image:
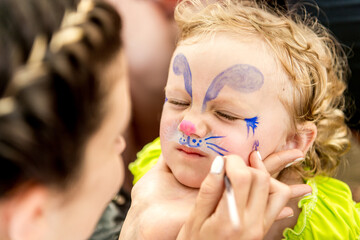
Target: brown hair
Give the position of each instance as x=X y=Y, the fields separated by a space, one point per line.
x=50 y=106
x=314 y=61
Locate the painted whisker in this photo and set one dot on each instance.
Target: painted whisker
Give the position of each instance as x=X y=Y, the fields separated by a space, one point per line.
x=212 y=144
x=213 y=137
x=202 y=143
x=221 y=154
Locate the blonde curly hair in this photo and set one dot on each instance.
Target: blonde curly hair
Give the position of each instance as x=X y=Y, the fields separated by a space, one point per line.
x=312 y=58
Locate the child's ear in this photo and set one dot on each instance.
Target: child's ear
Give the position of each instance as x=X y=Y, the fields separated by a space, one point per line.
x=27 y=213
x=303 y=138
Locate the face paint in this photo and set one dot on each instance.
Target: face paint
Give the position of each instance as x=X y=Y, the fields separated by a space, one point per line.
x=187 y=127
x=255 y=145
x=181 y=67
x=205 y=144
x=241 y=77
x=251 y=123
x=209 y=144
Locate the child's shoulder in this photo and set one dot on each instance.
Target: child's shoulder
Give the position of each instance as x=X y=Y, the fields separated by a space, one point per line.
x=329 y=213
x=145 y=159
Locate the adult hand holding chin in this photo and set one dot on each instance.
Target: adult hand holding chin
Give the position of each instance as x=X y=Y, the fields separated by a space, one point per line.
x=259 y=199
x=160 y=205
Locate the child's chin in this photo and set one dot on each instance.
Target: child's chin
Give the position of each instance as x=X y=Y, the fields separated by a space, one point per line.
x=190 y=181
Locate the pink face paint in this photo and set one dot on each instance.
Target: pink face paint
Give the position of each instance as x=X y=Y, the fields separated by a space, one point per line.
x=187 y=127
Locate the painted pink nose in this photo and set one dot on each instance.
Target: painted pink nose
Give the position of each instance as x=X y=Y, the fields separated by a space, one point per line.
x=187 y=127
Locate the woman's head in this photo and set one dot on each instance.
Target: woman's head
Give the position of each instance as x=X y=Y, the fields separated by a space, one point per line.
x=63 y=111
x=307 y=69
x=20 y=23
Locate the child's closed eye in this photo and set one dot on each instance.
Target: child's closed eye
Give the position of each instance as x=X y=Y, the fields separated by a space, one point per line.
x=178 y=103
x=227 y=116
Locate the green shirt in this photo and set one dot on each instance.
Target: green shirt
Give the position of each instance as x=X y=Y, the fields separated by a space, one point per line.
x=328 y=214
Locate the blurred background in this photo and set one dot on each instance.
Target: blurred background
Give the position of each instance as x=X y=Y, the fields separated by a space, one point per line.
x=342 y=17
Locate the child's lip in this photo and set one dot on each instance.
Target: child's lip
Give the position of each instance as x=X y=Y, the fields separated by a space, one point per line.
x=188 y=150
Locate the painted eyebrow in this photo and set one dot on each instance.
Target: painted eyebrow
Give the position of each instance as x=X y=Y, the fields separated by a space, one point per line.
x=241 y=77
x=181 y=67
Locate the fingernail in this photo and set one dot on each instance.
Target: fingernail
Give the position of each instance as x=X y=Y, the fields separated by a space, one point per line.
x=258 y=153
x=290 y=216
x=308 y=194
x=295 y=161
x=217 y=165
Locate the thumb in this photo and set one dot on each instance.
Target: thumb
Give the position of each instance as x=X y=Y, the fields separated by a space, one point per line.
x=210 y=193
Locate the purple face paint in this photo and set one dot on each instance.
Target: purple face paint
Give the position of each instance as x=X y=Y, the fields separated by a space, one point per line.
x=181 y=67
x=241 y=77
x=251 y=123
x=187 y=127
x=256 y=145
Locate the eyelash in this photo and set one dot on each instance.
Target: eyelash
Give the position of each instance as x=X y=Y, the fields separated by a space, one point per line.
x=226 y=116
x=178 y=103
x=220 y=114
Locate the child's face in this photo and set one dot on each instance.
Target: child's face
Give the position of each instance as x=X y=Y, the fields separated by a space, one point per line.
x=222 y=97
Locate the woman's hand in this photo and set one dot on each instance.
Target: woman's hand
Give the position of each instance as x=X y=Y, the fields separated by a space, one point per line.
x=260 y=200
x=276 y=162
x=161 y=205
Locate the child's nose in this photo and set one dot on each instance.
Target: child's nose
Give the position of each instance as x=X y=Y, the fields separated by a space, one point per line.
x=191 y=128
x=187 y=127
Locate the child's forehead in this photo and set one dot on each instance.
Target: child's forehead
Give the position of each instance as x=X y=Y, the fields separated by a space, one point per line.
x=211 y=56
x=223 y=50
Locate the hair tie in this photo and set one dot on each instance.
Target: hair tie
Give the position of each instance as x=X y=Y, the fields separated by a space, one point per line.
x=69 y=32
x=66 y=36
x=7 y=105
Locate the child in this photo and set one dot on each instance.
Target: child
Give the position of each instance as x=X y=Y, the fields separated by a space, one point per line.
x=245 y=77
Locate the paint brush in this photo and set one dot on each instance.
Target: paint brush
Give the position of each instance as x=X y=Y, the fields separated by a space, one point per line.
x=233 y=212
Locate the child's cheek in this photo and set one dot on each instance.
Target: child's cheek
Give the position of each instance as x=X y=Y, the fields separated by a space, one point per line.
x=168 y=125
x=240 y=146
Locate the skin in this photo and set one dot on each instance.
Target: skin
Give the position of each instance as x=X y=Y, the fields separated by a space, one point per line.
x=42 y=212
x=177 y=207
x=224 y=115
x=258 y=198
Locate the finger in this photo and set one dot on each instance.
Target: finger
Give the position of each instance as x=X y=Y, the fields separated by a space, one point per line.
x=240 y=178
x=259 y=194
x=221 y=217
x=280 y=194
x=300 y=190
x=210 y=193
x=255 y=161
x=286 y=212
x=276 y=162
